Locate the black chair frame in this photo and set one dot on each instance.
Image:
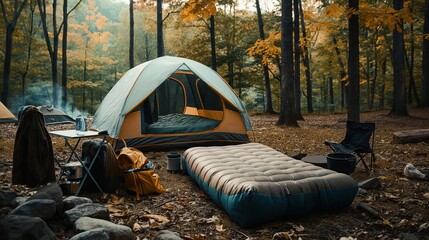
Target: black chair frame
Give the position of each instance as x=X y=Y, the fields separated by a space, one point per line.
x=359 y=140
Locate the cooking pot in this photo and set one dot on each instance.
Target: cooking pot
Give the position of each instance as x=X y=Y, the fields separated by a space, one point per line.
x=73 y=170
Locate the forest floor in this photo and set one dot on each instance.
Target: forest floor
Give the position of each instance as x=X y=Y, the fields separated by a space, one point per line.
x=402 y=203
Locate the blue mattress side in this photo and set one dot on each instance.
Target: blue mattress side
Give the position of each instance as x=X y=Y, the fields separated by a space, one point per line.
x=249 y=209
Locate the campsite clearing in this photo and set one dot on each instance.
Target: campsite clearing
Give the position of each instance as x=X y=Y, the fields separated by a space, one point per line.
x=401 y=203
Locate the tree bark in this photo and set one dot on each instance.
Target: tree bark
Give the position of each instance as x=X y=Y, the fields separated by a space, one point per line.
x=352 y=89
x=306 y=62
x=10 y=27
x=159 y=31
x=213 y=42
x=31 y=34
x=287 y=104
x=52 y=47
x=399 y=106
x=425 y=65
x=412 y=90
x=64 y=60
x=382 y=84
x=131 y=49
x=331 y=95
x=269 y=102
x=297 y=63
x=343 y=72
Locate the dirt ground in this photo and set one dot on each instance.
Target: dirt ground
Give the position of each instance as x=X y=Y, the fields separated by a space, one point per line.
x=402 y=204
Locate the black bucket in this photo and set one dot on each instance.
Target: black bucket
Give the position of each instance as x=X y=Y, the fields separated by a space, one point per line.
x=173 y=162
x=341 y=162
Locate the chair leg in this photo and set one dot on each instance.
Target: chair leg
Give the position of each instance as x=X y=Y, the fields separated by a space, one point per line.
x=361 y=159
x=372 y=159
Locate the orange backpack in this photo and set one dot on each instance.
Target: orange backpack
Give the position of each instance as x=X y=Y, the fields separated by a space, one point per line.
x=139 y=172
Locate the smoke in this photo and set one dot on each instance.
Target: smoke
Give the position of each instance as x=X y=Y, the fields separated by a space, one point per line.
x=41 y=93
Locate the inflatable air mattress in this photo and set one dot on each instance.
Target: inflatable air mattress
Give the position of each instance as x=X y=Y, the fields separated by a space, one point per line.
x=256 y=184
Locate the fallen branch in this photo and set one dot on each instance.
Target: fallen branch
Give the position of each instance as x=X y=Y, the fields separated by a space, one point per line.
x=369 y=209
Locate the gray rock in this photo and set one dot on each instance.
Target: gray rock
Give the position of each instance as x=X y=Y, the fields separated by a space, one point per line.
x=53 y=192
x=167 y=235
x=42 y=208
x=370 y=184
x=72 y=201
x=92 y=210
x=6 y=198
x=19 y=200
x=93 y=234
x=116 y=231
x=16 y=227
x=409 y=236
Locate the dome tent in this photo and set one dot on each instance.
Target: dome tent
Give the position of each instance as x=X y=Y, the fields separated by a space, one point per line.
x=172 y=102
x=5 y=115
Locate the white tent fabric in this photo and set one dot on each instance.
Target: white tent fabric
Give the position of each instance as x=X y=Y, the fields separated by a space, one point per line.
x=137 y=84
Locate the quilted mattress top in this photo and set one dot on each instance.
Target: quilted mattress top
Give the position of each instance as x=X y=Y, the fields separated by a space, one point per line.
x=254 y=167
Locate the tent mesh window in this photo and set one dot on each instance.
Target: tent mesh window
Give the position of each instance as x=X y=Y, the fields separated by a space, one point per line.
x=164 y=110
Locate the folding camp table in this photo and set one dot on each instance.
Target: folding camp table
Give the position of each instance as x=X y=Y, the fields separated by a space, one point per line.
x=73 y=134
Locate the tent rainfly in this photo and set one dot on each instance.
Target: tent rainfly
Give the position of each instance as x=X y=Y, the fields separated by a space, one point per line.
x=5 y=115
x=172 y=102
x=54 y=115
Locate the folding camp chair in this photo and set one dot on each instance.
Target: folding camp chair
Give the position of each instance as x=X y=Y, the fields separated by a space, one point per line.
x=357 y=141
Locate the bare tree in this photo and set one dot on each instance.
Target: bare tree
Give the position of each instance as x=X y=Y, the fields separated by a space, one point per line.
x=131 y=49
x=269 y=108
x=159 y=30
x=10 y=25
x=53 y=46
x=425 y=65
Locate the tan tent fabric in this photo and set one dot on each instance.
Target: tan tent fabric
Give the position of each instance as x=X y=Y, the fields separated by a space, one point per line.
x=6 y=115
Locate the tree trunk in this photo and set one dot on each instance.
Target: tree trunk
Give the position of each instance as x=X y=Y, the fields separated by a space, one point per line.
x=343 y=72
x=368 y=82
x=269 y=102
x=425 y=65
x=52 y=48
x=375 y=75
x=306 y=62
x=399 y=106
x=287 y=104
x=331 y=95
x=10 y=27
x=297 y=63
x=29 y=51
x=64 y=60
x=6 y=66
x=213 y=42
x=412 y=90
x=382 y=84
x=131 y=49
x=352 y=89
x=159 y=30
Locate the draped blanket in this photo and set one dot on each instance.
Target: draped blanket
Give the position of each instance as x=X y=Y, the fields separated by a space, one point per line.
x=33 y=158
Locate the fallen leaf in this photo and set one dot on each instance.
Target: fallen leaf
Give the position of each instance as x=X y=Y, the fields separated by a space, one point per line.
x=298 y=228
x=422 y=227
x=168 y=206
x=426 y=195
x=157 y=218
x=116 y=200
x=220 y=228
x=136 y=227
x=113 y=209
x=119 y=214
x=281 y=236
x=213 y=219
